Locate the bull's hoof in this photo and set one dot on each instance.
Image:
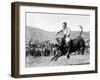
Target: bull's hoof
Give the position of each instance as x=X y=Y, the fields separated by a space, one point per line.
x=68 y=56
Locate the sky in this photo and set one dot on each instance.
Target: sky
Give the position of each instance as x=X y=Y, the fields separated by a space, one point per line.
x=53 y=22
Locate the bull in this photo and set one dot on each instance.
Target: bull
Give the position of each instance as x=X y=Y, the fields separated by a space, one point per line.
x=77 y=44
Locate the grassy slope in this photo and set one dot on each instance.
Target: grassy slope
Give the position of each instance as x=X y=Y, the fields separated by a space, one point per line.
x=38 y=34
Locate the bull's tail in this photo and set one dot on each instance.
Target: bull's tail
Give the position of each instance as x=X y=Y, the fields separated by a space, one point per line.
x=81 y=30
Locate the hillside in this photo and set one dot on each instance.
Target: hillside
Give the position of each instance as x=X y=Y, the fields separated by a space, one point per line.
x=39 y=34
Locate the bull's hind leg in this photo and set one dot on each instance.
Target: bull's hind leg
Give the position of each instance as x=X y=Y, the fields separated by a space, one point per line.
x=68 y=54
x=82 y=49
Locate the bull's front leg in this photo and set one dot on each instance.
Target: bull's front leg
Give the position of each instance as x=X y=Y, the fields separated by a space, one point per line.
x=58 y=57
x=54 y=57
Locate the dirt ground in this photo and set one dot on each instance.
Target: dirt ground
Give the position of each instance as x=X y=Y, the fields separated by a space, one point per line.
x=62 y=61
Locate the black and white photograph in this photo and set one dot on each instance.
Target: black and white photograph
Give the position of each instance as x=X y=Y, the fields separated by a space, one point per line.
x=52 y=39
x=57 y=39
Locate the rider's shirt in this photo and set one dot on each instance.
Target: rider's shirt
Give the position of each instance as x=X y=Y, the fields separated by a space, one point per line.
x=65 y=32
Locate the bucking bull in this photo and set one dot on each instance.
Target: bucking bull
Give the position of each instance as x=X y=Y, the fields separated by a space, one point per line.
x=77 y=44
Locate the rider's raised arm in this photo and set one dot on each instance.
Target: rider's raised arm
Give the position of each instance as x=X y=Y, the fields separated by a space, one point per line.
x=59 y=32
